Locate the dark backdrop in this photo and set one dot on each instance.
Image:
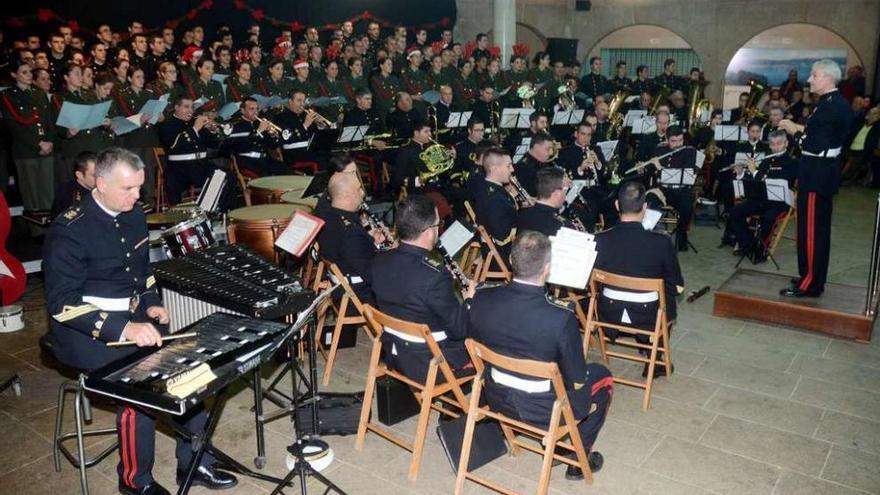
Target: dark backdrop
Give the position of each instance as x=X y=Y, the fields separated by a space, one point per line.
x=154 y=13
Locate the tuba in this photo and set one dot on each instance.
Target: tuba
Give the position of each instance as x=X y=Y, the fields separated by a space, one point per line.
x=756 y=92
x=698 y=104
x=566 y=92
x=660 y=99
x=615 y=116
x=527 y=92
x=438 y=159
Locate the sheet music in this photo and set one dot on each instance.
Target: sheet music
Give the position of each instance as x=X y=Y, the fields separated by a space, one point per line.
x=607 y=148
x=458 y=119
x=455 y=238
x=725 y=115
x=567 y=117
x=644 y=125
x=573 y=255
x=352 y=133
x=730 y=133
x=516 y=118
x=678 y=176
x=778 y=190
x=575 y=190
x=701 y=158
x=632 y=116
x=228 y=110
x=651 y=218
x=521 y=150
x=210 y=195
x=299 y=233
x=739 y=190
x=154 y=108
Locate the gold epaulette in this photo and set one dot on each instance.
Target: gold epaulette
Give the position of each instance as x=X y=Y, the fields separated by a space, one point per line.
x=560 y=303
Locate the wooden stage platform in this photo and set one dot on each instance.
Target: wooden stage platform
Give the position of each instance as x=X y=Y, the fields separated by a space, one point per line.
x=753 y=295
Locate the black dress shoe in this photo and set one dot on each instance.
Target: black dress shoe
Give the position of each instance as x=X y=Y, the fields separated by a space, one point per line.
x=594 y=459
x=210 y=478
x=795 y=281
x=798 y=293
x=151 y=489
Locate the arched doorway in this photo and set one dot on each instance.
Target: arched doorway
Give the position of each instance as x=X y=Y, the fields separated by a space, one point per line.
x=771 y=54
x=643 y=44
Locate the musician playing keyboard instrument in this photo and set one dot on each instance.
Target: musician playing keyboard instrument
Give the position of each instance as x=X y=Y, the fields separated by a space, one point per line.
x=99 y=290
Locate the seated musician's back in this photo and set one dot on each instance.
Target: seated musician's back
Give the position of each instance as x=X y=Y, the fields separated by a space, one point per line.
x=628 y=249
x=493 y=206
x=522 y=320
x=410 y=285
x=544 y=216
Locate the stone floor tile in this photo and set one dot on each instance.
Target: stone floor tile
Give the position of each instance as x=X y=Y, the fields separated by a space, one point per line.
x=763 y=409
x=853 y=468
x=850 y=432
x=762 y=356
x=740 y=375
x=20 y=445
x=783 y=338
x=666 y=416
x=837 y=397
x=791 y=483
x=835 y=371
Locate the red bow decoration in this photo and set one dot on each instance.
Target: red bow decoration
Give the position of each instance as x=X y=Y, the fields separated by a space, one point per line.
x=73 y=25
x=242 y=55
x=366 y=15
x=172 y=24
x=207 y=4
x=280 y=50
x=45 y=15
x=295 y=26
x=520 y=49
x=331 y=52
x=468 y=49
x=438 y=47
x=239 y=4
x=258 y=15
x=444 y=22
x=282 y=39
x=192 y=14
x=494 y=51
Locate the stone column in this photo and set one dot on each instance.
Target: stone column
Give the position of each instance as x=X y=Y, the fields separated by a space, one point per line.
x=504 y=32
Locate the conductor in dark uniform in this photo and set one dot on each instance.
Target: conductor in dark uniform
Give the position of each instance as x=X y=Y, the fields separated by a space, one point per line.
x=521 y=320
x=821 y=140
x=493 y=205
x=414 y=286
x=779 y=167
x=186 y=141
x=544 y=216
x=630 y=250
x=344 y=240
x=100 y=289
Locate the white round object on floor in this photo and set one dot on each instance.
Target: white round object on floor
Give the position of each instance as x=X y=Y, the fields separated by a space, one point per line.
x=317 y=457
x=11 y=318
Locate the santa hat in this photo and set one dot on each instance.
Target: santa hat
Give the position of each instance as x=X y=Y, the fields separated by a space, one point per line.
x=413 y=52
x=191 y=53
x=300 y=64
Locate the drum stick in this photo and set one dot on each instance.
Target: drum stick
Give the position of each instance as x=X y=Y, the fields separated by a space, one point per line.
x=164 y=339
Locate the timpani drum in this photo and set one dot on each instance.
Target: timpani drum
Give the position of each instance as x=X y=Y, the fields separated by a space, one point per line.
x=268 y=190
x=295 y=198
x=259 y=226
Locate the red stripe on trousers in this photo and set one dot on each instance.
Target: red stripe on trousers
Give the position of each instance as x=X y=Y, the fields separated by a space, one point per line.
x=133 y=451
x=123 y=448
x=811 y=227
x=608 y=381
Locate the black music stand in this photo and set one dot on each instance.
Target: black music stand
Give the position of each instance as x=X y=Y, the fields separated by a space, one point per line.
x=302 y=468
x=755 y=190
x=678 y=178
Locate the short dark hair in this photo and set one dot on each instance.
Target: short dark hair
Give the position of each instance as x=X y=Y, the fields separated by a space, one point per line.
x=415 y=214
x=540 y=138
x=641 y=69
x=668 y=62
x=674 y=131
x=593 y=59
x=338 y=161
x=473 y=121
x=202 y=61
x=529 y=254
x=621 y=63
x=755 y=123
x=537 y=114
x=81 y=162
x=549 y=180
x=631 y=197
x=248 y=99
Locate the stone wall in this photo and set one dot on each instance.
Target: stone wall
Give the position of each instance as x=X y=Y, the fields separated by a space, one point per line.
x=715 y=29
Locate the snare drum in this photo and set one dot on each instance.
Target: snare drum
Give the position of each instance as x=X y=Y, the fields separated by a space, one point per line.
x=167 y=218
x=295 y=198
x=189 y=236
x=268 y=190
x=259 y=226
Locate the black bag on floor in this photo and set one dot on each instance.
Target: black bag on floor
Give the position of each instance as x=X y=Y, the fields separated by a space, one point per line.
x=395 y=401
x=488 y=442
x=338 y=414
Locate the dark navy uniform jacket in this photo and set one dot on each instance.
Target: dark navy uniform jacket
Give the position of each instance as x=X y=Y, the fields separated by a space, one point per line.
x=496 y=211
x=541 y=218
x=410 y=285
x=347 y=243
x=628 y=249
x=98 y=278
x=523 y=321
x=178 y=137
x=826 y=129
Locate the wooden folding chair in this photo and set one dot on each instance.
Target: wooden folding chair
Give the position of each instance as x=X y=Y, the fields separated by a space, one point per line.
x=779 y=228
x=349 y=299
x=161 y=195
x=659 y=336
x=562 y=421
x=242 y=180
x=426 y=393
x=487 y=268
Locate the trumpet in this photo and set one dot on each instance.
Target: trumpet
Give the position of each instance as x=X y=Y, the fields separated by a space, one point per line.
x=275 y=129
x=374 y=223
x=522 y=197
x=318 y=117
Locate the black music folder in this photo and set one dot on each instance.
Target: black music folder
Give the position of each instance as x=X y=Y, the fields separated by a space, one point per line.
x=318 y=184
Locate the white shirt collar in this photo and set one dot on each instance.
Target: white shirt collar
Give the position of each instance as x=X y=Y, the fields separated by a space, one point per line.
x=108 y=211
x=526 y=282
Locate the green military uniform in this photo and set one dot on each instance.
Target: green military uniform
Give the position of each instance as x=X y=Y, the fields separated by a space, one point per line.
x=211 y=92
x=466 y=89
x=415 y=81
x=515 y=80
x=594 y=85
x=316 y=73
x=237 y=91
x=30 y=120
x=442 y=78
x=140 y=141
x=384 y=90
x=309 y=87
x=93 y=140
x=353 y=85
x=539 y=76
x=332 y=88
x=271 y=87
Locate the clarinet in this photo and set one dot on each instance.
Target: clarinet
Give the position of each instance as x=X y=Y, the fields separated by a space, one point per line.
x=453 y=267
x=376 y=224
x=522 y=197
